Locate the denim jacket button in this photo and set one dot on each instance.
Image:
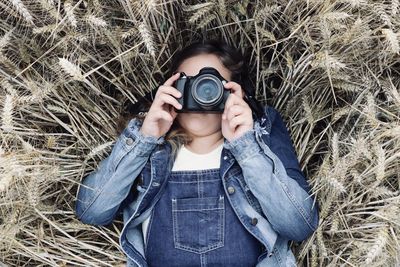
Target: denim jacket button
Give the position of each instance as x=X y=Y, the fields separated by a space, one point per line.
x=254 y=221
x=231 y=190
x=129 y=141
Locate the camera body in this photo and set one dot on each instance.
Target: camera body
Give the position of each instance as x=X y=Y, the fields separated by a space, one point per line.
x=204 y=92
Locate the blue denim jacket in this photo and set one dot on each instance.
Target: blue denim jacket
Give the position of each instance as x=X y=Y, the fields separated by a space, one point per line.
x=271 y=197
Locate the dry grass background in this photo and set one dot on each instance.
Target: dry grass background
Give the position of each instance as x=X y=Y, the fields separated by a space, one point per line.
x=69 y=68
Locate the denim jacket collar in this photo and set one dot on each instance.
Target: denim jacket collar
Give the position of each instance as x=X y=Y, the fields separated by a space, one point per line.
x=262 y=128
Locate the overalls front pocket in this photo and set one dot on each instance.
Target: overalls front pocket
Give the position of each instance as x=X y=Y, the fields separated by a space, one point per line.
x=198 y=223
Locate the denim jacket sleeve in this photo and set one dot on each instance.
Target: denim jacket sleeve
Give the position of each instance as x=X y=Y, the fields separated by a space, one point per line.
x=101 y=193
x=274 y=177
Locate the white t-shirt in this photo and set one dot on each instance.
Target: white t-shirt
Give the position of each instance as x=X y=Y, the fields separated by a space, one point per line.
x=188 y=160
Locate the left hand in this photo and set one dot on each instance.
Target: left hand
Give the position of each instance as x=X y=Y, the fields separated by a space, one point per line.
x=237 y=113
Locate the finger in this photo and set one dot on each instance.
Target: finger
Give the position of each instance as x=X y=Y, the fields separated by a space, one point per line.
x=162 y=114
x=233 y=100
x=166 y=98
x=172 y=79
x=234 y=111
x=173 y=113
x=236 y=121
x=235 y=87
x=170 y=90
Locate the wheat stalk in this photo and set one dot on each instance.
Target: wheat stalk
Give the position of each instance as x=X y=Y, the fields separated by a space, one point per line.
x=335 y=147
x=7 y=114
x=335 y=184
x=395 y=7
x=7 y=162
x=128 y=33
x=201 y=13
x=314 y=256
x=98 y=149
x=70 y=68
x=380 y=167
x=69 y=10
x=5 y=40
x=21 y=9
x=308 y=110
x=356 y=3
x=95 y=21
x=334 y=225
x=222 y=8
x=392 y=40
x=5 y=84
x=206 y=21
x=45 y=29
x=321 y=244
x=147 y=38
x=266 y=12
x=335 y=15
x=376 y=249
x=326 y=61
x=381 y=12
x=266 y=34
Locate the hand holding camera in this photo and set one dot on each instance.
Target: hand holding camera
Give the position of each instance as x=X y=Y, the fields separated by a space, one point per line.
x=162 y=111
x=205 y=92
x=208 y=92
x=237 y=117
x=181 y=93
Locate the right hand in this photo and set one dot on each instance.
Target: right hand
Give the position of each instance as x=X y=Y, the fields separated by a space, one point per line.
x=162 y=112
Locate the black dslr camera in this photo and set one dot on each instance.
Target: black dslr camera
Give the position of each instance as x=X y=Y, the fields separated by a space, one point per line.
x=204 y=92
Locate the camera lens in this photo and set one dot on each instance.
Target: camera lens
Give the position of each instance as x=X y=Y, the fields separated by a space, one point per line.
x=207 y=91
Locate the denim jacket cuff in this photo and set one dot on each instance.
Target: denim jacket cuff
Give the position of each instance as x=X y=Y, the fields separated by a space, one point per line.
x=244 y=146
x=132 y=137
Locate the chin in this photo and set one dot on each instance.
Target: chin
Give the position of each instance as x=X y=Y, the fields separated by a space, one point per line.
x=198 y=113
x=201 y=127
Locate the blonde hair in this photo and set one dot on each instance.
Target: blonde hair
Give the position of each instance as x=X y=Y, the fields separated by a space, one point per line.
x=176 y=135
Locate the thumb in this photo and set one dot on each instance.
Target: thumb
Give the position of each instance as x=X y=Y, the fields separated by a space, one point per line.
x=173 y=113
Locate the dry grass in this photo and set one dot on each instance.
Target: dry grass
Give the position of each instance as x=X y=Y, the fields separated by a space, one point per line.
x=69 y=68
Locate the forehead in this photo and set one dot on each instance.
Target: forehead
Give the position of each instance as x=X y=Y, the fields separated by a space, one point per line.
x=191 y=66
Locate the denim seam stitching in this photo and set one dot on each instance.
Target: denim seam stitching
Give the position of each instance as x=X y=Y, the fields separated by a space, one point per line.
x=198 y=209
x=222 y=220
x=174 y=222
x=191 y=182
x=114 y=165
x=148 y=231
x=298 y=206
x=243 y=187
x=95 y=197
x=177 y=245
x=242 y=219
x=278 y=256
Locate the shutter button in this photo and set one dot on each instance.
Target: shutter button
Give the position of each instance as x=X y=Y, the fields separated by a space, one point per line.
x=231 y=190
x=254 y=221
x=129 y=141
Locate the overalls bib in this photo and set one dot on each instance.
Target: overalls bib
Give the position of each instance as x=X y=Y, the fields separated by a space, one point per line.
x=193 y=224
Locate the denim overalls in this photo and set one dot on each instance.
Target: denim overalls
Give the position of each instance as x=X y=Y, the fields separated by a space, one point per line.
x=197 y=226
x=270 y=195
